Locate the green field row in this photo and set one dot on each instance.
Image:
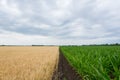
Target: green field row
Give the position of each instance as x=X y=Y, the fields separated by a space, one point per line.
x=94 y=62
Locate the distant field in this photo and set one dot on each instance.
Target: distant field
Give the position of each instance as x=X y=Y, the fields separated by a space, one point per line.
x=94 y=62
x=28 y=63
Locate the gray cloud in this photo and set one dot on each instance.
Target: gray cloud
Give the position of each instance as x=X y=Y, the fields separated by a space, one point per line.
x=82 y=21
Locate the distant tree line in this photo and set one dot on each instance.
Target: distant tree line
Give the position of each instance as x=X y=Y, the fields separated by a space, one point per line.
x=115 y=44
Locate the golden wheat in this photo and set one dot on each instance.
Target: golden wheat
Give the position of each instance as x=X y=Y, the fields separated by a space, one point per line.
x=27 y=63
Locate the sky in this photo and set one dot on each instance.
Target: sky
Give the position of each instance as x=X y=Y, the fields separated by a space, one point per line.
x=58 y=22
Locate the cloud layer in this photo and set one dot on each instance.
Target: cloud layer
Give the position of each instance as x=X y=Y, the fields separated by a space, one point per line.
x=27 y=22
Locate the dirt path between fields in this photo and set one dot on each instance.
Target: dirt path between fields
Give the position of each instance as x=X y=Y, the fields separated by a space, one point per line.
x=64 y=70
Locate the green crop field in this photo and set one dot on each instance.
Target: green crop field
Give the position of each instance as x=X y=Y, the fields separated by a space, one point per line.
x=94 y=62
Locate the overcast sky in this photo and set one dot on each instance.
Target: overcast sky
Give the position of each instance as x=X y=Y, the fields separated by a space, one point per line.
x=26 y=22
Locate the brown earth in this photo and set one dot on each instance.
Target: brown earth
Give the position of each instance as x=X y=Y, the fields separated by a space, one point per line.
x=64 y=70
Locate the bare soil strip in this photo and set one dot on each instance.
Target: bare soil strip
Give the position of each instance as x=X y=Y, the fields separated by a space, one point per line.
x=65 y=71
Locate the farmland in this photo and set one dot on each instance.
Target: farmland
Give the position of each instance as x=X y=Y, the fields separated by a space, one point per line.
x=94 y=62
x=27 y=63
x=64 y=63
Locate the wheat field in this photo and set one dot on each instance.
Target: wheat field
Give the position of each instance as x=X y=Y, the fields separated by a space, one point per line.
x=28 y=63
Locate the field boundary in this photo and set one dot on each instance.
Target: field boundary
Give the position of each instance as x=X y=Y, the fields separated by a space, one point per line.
x=65 y=71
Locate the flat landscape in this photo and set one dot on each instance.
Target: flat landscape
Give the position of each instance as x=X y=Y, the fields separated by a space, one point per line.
x=60 y=63
x=28 y=63
x=59 y=39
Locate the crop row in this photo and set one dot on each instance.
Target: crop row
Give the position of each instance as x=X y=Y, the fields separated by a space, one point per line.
x=94 y=62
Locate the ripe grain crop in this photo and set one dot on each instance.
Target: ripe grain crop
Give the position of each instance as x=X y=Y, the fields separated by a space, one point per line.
x=27 y=63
